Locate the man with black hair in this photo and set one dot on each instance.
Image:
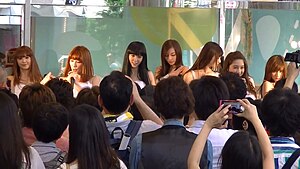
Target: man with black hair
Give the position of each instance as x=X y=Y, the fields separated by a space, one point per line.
x=169 y=146
x=49 y=122
x=281 y=111
x=208 y=92
x=117 y=94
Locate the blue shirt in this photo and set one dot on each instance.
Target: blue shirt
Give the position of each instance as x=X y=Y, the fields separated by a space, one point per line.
x=136 y=147
x=283 y=148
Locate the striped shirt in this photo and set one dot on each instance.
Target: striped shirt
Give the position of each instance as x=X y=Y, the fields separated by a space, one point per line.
x=283 y=148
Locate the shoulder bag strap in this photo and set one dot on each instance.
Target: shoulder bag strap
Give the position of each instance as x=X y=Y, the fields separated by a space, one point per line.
x=292 y=159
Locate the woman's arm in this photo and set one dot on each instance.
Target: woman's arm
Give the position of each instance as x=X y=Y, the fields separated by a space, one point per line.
x=151 y=78
x=146 y=112
x=157 y=71
x=292 y=74
x=217 y=120
x=250 y=113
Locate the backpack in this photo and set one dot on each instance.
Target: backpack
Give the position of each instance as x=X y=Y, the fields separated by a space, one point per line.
x=57 y=161
x=122 y=144
x=289 y=163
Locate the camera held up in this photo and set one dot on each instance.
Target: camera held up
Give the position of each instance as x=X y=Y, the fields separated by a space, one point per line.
x=293 y=57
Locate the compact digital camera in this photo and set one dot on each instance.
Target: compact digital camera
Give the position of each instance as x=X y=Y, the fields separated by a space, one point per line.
x=235 y=107
x=293 y=57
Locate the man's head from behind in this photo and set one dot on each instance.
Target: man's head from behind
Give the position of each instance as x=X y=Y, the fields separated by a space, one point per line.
x=115 y=93
x=49 y=122
x=31 y=97
x=281 y=111
x=173 y=98
x=208 y=91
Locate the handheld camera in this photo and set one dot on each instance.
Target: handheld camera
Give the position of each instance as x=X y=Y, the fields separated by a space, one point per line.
x=235 y=107
x=293 y=57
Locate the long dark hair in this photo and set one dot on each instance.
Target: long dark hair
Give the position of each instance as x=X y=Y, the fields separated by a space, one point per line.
x=208 y=52
x=89 y=142
x=242 y=150
x=139 y=49
x=12 y=145
x=232 y=56
x=165 y=67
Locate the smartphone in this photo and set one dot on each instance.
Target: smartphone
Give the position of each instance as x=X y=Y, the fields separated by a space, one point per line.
x=235 y=107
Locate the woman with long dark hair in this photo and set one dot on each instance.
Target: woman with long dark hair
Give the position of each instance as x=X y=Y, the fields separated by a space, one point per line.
x=135 y=64
x=171 y=61
x=207 y=63
x=89 y=145
x=14 y=152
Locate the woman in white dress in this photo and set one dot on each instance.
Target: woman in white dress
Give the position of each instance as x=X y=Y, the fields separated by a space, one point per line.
x=135 y=64
x=25 y=69
x=79 y=70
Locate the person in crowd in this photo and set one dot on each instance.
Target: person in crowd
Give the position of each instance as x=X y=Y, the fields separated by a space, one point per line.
x=63 y=92
x=242 y=150
x=208 y=92
x=25 y=69
x=235 y=62
x=79 y=70
x=281 y=111
x=207 y=63
x=275 y=70
x=171 y=61
x=89 y=141
x=49 y=122
x=117 y=94
x=168 y=147
x=14 y=152
x=89 y=96
x=135 y=64
x=31 y=97
x=280 y=84
x=4 y=88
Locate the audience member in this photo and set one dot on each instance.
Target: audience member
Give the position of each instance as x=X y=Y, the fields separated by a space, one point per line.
x=280 y=84
x=117 y=93
x=206 y=63
x=171 y=61
x=63 y=92
x=274 y=71
x=135 y=64
x=79 y=67
x=168 y=147
x=208 y=92
x=14 y=151
x=89 y=141
x=89 y=96
x=242 y=150
x=49 y=122
x=235 y=62
x=4 y=88
x=31 y=97
x=281 y=111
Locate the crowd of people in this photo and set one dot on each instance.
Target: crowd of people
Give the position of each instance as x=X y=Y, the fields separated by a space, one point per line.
x=174 y=118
